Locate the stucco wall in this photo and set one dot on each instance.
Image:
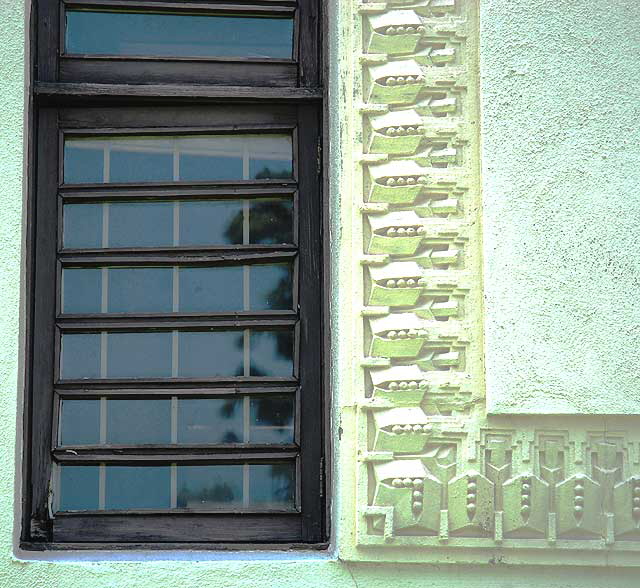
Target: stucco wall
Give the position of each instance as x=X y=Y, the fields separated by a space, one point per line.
x=251 y=570
x=561 y=107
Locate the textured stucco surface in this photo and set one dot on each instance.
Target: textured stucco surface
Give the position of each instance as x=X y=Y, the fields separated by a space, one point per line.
x=212 y=570
x=561 y=134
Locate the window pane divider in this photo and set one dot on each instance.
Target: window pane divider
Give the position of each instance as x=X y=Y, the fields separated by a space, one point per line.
x=87 y=392
x=168 y=322
x=232 y=191
x=192 y=257
x=274 y=6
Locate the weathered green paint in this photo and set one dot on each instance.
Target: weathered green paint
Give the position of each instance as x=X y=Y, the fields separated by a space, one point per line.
x=257 y=570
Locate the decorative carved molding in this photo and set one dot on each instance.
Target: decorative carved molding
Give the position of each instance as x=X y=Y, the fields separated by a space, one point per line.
x=436 y=471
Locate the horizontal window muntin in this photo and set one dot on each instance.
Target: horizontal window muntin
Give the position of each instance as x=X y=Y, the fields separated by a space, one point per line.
x=160 y=221
x=209 y=484
x=262 y=154
x=164 y=289
x=153 y=33
x=132 y=354
x=169 y=421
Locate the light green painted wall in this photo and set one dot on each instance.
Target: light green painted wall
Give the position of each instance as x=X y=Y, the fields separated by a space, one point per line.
x=205 y=569
x=561 y=114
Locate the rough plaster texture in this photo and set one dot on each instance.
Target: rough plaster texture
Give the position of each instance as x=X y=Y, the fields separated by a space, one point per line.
x=222 y=570
x=561 y=113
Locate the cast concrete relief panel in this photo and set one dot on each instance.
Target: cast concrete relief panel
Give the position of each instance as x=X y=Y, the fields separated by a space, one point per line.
x=438 y=478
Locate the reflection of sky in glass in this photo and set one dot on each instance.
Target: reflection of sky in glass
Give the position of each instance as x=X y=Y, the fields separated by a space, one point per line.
x=79 y=422
x=272 y=485
x=80 y=356
x=137 y=487
x=177 y=35
x=79 y=487
x=136 y=158
x=139 y=421
x=139 y=355
x=210 y=354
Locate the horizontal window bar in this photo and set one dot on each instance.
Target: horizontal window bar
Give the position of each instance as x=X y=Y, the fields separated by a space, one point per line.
x=84 y=455
x=169 y=322
x=172 y=390
x=170 y=193
x=69 y=91
x=165 y=256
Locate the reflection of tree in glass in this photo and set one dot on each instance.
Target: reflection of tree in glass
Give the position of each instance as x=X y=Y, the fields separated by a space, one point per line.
x=227 y=411
x=274 y=411
x=266 y=173
x=282 y=485
x=220 y=493
x=269 y=220
x=284 y=349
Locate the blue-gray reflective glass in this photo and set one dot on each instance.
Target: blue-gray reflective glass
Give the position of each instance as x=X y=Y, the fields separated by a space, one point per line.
x=80 y=356
x=140 y=224
x=210 y=420
x=209 y=222
x=272 y=353
x=79 y=488
x=79 y=422
x=139 y=421
x=139 y=158
x=81 y=290
x=141 y=289
x=210 y=354
x=270 y=287
x=83 y=163
x=211 y=289
x=139 y=355
x=216 y=168
x=137 y=487
x=129 y=165
x=272 y=485
x=82 y=226
x=177 y=35
x=210 y=486
x=272 y=419
x=270 y=221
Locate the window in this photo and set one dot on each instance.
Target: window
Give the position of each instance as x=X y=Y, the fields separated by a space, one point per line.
x=176 y=337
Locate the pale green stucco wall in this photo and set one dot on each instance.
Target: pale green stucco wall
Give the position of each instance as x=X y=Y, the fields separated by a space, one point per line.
x=221 y=570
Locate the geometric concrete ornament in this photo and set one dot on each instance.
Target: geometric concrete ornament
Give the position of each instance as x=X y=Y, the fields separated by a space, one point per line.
x=438 y=479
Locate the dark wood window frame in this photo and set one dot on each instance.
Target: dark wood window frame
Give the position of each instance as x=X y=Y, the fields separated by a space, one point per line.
x=72 y=95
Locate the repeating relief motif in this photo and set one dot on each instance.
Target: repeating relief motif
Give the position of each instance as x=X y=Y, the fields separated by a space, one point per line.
x=434 y=469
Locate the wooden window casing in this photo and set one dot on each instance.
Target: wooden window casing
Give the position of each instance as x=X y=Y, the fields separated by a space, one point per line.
x=106 y=96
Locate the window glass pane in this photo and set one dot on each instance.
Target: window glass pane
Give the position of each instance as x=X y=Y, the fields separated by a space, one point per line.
x=207 y=222
x=210 y=420
x=139 y=355
x=82 y=290
x=82 y=226
x=210 y=486
x=134 y=158
x=211 y=354
x=271 y=287
x=177 y=35
x=195 y=354
x=211 y=289
x=79 y=422
x=272 y=485
x=140 y=224
x=203 y=486
x=200 y=223
x=137 y=487
x=139 y=421
x=272 y=419
x=80 y=356
x=271 y=222
x=79 y=487
x=140 y=289
x=272 y=353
